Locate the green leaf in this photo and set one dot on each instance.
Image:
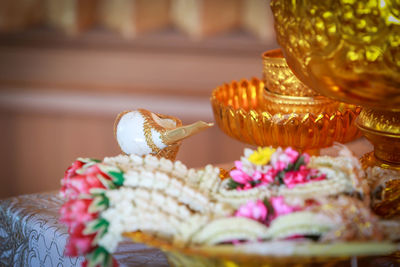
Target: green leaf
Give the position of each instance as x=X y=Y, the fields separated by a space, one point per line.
x=99 y=225
x=88 y=162
x=289 y=167
x=100 y=256
x=106 y=182
x=118 y=177
x=299 y=162
x=279 y=177
x=254 y=183
x=100 y=203
x=232 y=184
x=270 y=209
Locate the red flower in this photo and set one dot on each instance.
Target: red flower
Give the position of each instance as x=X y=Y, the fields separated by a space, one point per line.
x=94 y=171
x=303 y=175
x=79 y=243
x=69 y=173
x=75 y=184
x=269 y=176
x=75 y=213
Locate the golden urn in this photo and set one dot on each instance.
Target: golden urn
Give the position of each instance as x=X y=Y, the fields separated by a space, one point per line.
x=349 y=50
x=346 y=49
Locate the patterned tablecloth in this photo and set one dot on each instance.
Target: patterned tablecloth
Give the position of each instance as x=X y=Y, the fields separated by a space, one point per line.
x=30 y=235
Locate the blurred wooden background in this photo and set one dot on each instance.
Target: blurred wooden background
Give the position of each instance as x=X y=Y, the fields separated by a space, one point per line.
x=67 y=68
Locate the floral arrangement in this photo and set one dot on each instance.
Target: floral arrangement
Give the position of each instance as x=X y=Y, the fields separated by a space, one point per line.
x=84 y=186
x=269 y=166
x=188 y=207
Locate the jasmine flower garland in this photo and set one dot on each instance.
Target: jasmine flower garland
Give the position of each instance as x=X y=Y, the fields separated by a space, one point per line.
x=185 y=206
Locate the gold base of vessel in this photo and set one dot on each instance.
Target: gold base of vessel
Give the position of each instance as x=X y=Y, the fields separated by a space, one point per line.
x=382 y=129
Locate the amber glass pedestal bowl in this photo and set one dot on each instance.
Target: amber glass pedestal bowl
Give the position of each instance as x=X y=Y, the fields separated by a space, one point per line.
x=240 y=111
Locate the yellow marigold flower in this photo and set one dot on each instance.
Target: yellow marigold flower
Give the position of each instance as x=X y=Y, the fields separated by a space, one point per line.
x=262 y=156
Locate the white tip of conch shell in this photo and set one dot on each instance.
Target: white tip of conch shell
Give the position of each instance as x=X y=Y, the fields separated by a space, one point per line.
x=129 y=132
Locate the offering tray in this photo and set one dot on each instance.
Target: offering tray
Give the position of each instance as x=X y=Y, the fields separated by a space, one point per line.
x=241 y=111
x=288 y=253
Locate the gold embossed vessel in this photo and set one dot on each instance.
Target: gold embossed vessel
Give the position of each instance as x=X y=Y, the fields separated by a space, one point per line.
x=350 y=50
x=285 y=94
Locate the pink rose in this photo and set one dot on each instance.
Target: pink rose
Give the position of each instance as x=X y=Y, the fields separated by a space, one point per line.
x=303 y=175
x=76 y=212
x=240 y=176
x=291 y=154
x=71 y=171
x=280 y=165
x=94 y=171
x=78 y=184
x=280 y=207
x=306 y=158
x=293 y=178
x=281 y=159
x=78 y=243
x=269 y=176
x=255 y=210
x=239 y=165
x=257 y=175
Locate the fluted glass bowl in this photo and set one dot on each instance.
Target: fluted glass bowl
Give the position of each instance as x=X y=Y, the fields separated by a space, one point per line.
x=240 y=111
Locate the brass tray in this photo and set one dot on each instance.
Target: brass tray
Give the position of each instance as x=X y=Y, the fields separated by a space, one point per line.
x=303 y=254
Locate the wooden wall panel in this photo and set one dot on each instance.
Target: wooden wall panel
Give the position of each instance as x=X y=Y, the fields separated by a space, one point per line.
x=37 y=147
x=7 y=154
x=59 y=97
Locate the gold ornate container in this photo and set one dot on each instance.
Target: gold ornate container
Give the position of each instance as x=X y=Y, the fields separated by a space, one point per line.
x=279 y=78
x=350 y=50
x=285 y=94
x=347 y=50
x=382 y=128
x=240 y=111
